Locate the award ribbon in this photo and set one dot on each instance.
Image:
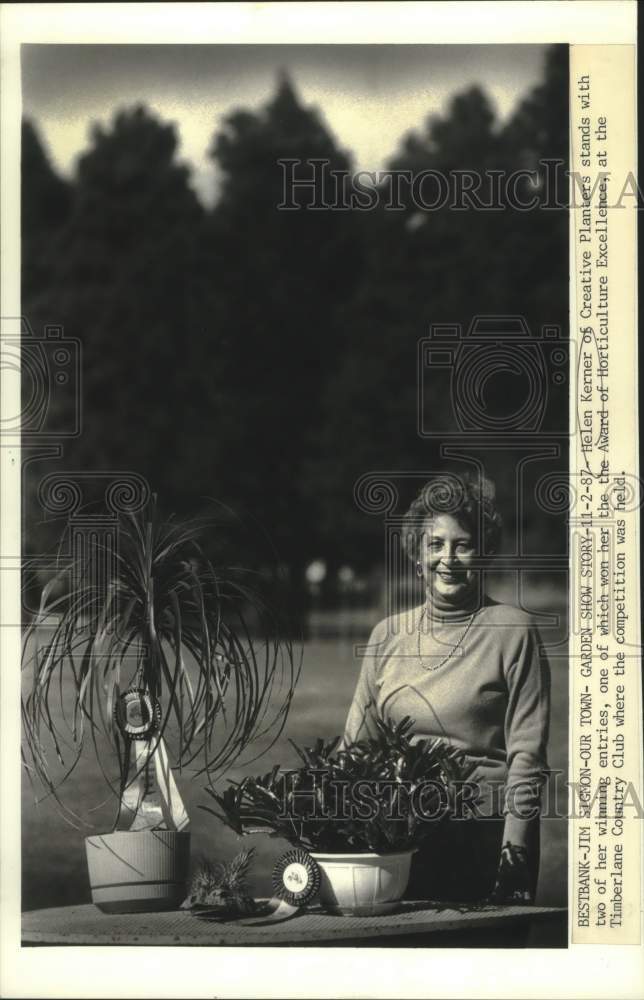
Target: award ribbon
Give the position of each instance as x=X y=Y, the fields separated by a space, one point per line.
x=296 y=877
x=296 y=880
x=152 y=797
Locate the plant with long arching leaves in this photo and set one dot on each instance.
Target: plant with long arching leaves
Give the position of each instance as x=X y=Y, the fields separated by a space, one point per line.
x=165 y=618
x=324 y=804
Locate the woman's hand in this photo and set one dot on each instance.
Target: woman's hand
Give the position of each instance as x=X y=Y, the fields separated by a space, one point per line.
x=513 y=883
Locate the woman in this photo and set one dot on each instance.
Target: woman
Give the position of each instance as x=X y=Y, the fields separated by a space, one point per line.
x=466 y=669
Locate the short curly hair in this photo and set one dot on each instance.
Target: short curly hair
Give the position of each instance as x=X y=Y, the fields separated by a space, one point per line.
x=467 y=497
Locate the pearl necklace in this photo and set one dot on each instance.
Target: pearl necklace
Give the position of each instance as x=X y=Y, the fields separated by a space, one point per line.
x=435 y=666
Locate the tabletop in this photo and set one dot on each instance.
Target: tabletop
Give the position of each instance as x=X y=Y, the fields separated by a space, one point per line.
x=412 y=923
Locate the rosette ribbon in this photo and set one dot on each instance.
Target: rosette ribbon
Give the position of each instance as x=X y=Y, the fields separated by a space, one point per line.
x=151 y=800
x=296 y=881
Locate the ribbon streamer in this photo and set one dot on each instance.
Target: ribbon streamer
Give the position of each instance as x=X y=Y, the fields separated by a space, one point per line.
x=281 y=911
x=275 y=911
x=152 y=798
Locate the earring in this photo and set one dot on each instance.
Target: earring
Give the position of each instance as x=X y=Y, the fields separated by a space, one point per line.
x=419 y=569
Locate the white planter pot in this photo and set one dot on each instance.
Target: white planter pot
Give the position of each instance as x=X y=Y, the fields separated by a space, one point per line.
x=138 y=872
x=363 y=884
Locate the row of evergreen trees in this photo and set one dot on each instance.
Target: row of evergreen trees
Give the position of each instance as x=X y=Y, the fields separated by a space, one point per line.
x=268 y=358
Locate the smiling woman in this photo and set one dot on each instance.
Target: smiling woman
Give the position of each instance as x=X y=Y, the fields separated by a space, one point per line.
x=468 y=670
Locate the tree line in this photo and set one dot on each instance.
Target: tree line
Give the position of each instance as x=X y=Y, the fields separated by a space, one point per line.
x=268 y=358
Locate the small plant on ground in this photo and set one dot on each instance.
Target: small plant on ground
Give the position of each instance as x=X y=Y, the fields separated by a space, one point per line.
x=222 y=886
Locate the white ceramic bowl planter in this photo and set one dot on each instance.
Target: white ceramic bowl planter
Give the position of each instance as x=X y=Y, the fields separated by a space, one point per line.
x=138 y=872
x=363 y=884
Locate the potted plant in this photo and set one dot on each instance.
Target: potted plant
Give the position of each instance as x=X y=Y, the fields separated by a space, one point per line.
x=360 y=811
x=157 y=654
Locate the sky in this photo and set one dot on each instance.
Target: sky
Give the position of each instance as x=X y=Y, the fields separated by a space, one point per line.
x=370 y=95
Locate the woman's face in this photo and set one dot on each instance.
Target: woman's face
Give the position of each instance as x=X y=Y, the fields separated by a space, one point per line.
x=447 y=554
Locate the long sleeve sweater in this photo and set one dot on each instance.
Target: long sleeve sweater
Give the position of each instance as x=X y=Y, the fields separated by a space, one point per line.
x=488 y=694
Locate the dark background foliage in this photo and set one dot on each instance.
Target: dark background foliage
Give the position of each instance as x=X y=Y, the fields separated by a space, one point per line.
x=268 y=358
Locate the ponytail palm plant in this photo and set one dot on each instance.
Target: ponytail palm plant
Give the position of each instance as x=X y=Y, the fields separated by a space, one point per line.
x=156 y=620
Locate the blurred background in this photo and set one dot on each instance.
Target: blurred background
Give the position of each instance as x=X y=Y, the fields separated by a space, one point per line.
x=268 y=359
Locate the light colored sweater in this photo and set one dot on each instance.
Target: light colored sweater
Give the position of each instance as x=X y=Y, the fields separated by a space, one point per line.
x=488 y=695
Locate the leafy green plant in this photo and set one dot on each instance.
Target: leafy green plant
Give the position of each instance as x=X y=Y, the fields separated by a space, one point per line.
x=163 y=619
x=361 y=798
